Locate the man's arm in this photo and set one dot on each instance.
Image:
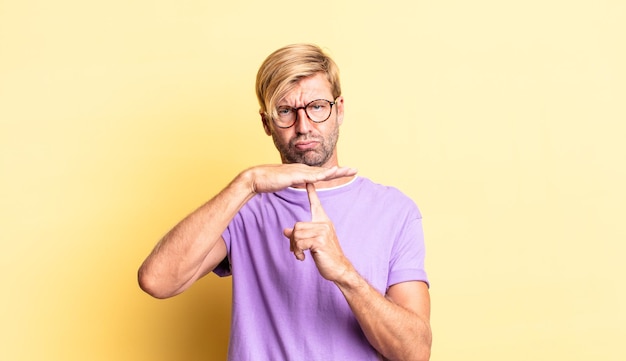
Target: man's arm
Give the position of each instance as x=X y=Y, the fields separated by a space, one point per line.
x=194 y=247
x=398 y=325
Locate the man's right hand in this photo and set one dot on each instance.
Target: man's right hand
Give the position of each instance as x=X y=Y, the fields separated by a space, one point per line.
x=273 y=178
x=195 y=247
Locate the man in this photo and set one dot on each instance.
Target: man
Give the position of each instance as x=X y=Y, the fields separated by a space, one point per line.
x=326 y=265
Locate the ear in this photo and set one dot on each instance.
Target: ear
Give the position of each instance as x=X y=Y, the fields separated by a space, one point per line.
x=339 y=105
x=266 y=126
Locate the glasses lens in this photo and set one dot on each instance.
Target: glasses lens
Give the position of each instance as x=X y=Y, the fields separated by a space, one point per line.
x=318 y=110
x=286 y=116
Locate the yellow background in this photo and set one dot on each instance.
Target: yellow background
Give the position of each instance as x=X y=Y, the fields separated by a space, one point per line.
x=504 y=120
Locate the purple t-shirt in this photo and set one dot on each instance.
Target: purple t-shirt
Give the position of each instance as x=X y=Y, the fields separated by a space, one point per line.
x=282 y=308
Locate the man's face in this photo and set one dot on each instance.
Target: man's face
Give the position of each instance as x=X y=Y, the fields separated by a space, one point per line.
x=307 y=142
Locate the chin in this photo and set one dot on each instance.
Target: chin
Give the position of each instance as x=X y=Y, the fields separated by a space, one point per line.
x=315 y=162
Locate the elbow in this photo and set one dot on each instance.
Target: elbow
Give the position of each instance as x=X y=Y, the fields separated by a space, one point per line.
x=421 y=354
x=151 y=285
x=421 y=349
x=418 y=351
x=424 y=354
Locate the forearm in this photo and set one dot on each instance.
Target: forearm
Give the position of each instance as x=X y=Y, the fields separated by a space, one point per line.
x=395 y=331
x=191 y=249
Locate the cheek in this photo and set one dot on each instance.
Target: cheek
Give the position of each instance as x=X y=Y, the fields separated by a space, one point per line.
x=279 y=138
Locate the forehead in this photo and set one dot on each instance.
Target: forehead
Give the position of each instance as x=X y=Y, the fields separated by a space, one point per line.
x=308 y=89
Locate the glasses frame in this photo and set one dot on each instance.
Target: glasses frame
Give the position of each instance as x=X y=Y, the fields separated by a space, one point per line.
x=296 y=109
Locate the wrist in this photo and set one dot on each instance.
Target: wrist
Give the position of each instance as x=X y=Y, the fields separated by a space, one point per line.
x=350 y=279
x=245 y=182
x=240 y=190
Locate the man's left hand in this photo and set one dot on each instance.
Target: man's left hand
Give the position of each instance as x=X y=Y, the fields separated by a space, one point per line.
x=319 y=237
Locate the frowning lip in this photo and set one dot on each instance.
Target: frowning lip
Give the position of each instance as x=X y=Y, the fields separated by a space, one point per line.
x=306 y=144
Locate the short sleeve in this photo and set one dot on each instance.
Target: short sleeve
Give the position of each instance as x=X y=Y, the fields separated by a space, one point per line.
x=223 y=269
x=408 y=253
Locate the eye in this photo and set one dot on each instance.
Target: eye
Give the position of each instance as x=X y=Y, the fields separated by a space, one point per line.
x=283 y=111
x=318 y=106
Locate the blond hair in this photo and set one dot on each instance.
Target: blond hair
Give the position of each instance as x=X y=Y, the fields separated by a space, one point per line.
x=285 y=67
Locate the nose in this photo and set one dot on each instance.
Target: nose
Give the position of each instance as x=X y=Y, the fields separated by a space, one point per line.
x=303 y=123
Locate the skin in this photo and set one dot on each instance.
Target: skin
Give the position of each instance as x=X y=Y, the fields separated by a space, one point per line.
x=397 y=324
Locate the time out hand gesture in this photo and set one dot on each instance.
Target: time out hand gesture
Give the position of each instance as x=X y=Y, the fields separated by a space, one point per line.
x=319 y=237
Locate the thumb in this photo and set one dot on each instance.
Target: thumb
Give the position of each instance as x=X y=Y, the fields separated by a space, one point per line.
x=317 y=212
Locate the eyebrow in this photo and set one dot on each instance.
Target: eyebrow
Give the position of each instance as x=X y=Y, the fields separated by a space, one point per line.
x=282 y=104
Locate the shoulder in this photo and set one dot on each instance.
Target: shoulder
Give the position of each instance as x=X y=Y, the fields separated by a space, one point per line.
x=387 y=196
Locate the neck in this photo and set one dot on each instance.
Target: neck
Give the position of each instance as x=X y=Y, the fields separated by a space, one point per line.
x=332 y=162
x=334 y=182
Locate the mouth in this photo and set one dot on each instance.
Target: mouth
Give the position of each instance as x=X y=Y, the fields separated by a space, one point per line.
x=305 y=145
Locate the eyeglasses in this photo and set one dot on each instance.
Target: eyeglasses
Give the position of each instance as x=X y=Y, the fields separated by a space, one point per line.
x=318 y=111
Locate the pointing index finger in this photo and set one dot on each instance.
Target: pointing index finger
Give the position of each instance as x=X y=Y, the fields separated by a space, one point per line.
x=317 y=212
